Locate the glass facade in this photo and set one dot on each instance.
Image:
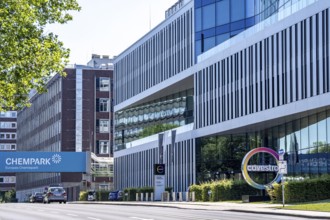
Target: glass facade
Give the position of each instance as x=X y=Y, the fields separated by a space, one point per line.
x=218 y=20
x=176 y=109
x=306 y=142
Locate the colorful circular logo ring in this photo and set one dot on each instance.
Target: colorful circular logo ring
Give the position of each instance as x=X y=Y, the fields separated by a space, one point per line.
x=245 y=162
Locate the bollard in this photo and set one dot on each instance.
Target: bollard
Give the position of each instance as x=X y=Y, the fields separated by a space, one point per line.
x=174 y=196
x=141 y=196
x=193 y=197
x=180 y=196
x=152 y=197
x=187 y=196
x=162 y=197
x=147 y=197
x=137 y=197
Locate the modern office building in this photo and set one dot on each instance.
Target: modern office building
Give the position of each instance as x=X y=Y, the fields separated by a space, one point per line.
x=8 y=136
x=74 y=115
x=228 y=76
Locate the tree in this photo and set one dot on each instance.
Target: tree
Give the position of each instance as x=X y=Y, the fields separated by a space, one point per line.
x=28 y=55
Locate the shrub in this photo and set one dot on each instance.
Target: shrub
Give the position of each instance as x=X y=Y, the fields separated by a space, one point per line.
x=10 y=196
x=131 y=194
x=102 y=195
x=83 y=196
x=206 y=191
x=198 y=191
x=169 y=189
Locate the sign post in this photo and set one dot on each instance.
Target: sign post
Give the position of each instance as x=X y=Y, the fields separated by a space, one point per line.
x=282 y=169
x=159 y=178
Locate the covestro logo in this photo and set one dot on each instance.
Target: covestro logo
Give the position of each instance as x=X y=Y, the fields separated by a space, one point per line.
x=246 y=167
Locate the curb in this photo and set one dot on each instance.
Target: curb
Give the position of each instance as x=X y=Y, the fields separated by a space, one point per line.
x=263 y=210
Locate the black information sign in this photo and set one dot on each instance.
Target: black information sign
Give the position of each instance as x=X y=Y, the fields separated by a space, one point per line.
x=159 y=169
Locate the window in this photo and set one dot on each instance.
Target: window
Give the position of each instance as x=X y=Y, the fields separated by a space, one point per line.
x=104 y=105
x=104 y=125
x=237 y=10
x=10 y=114
x=8 y=136
x=104 y=84
x=208 y=15
x=223 y=12
x=8 y=125
x=104 y=147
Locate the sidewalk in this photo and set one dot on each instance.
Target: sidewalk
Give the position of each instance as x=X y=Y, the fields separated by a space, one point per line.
x=264 y=208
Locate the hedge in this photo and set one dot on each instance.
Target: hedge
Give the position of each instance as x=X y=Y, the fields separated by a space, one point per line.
x=222 y=190
x=130 y=194
x=102 y=195
x=302 y=191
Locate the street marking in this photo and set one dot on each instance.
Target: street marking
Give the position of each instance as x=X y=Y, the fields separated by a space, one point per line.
x=93 y=218
x=72 y=215
x=141 y=218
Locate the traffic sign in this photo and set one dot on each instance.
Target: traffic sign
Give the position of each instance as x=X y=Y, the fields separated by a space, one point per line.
x=282 y=167
x=281 y=152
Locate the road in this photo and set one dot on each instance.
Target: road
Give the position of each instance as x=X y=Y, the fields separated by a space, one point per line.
x=36 y=211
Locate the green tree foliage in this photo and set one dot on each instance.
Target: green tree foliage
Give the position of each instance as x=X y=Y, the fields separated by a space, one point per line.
x=157 y=129
x=10 y=195
x=220 y=154
x=29 y=55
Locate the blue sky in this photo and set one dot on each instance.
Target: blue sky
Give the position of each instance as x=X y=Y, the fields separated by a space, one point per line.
x=108 y=27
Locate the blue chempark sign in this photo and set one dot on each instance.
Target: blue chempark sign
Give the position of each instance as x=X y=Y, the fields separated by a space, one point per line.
x=37 y=162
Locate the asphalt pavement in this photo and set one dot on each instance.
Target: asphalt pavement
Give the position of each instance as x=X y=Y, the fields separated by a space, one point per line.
x=264 y=208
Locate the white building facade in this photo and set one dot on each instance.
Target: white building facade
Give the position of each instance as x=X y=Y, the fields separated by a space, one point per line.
x=266 y=85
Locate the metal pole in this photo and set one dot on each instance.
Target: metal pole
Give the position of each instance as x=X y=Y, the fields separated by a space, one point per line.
x=283 y=199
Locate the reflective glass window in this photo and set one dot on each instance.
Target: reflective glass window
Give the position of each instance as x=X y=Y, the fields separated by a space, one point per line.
x=249 y=22
x=237 y=10
x=209 y=43
x=221 y=38
x=223 y=29
x=321 y=133
x=198 y=47
x=322 y=143
x=249 y=8
x=281 y=138
x=304 y=133
x=222 y=12
x=237 y=25
x=198 y=19
x=208 y=15
x=312 y=132
x=198 y=3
